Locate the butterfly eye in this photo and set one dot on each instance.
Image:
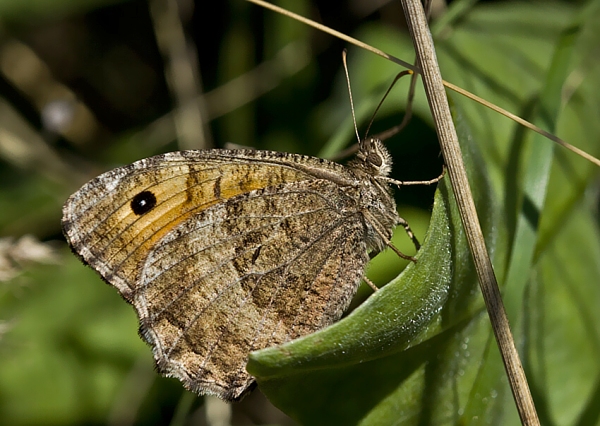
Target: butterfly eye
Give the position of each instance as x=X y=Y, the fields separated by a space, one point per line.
x=375 y=159
x=143 y=202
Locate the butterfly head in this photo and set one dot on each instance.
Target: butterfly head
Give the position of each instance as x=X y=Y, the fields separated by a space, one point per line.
x=374 y=157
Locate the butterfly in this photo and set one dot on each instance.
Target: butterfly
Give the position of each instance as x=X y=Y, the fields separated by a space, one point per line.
x=223 y=252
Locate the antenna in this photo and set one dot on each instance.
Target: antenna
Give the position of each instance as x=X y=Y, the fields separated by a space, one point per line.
x=394 y=131
x=381 y=136
x=344 y=54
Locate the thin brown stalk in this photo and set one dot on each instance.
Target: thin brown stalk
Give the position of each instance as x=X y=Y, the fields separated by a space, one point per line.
x=438 y=102
x=416 y=69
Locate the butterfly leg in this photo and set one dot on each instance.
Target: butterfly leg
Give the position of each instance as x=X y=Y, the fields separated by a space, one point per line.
x=370 y=283
x=400 y=183
x=399 y=253
x=409 y=232
x=386 y=241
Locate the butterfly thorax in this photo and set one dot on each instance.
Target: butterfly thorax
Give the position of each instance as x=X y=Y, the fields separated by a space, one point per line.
x=371 y=166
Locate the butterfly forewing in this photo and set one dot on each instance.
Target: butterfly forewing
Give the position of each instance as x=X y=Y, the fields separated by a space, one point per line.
x=223 y=252
x=102 y=227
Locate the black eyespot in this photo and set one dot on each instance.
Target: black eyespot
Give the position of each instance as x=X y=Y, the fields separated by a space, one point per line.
x=143 y=202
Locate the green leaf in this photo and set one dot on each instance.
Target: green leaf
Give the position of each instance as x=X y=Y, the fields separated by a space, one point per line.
x=525 y=65
x=343 y=374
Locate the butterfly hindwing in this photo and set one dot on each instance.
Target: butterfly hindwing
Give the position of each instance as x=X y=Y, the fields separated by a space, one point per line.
x=260 y=269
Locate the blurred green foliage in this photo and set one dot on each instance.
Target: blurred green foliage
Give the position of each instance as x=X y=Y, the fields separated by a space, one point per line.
x=69 y=353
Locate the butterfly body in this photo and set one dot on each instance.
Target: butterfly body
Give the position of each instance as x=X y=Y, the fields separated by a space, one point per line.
x=222 y=252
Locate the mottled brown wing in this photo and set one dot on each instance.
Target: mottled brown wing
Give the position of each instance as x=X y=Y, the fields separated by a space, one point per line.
x=260 y=269
x=103 y=229
x=230 y=252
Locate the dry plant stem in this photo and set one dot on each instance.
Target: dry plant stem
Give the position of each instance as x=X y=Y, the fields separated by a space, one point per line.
x=438 y=103
x=524 y=123
x=181 y=75
x=333 y=32
x=416 y=69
